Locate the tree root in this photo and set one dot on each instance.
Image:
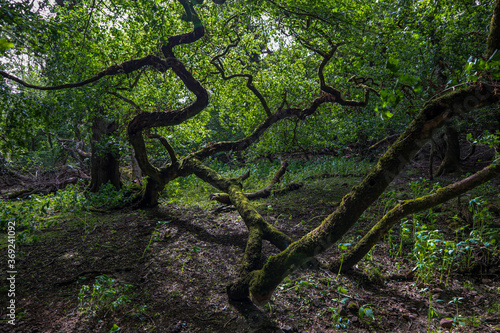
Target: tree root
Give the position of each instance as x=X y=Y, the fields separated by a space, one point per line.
x=257 y=319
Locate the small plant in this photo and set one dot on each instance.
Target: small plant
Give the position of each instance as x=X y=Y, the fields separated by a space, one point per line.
x=140 y=311
x=342 y=247
x=449 y=254
x=365 y=314
x=194 y=249
x=103 y=296
x=425 y=252
x=301 y=285
x=339 y=322
x=457 y=320
x=406 y=233
x=114 y=329
x=108 y=197
x=431 y=311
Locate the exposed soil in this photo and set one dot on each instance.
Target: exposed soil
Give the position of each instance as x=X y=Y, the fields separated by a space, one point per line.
x=179 y=260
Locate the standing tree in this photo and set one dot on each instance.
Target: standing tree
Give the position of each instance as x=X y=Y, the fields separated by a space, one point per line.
x=313 y=29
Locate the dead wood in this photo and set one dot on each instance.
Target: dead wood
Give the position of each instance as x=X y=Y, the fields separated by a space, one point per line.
x=39 y=184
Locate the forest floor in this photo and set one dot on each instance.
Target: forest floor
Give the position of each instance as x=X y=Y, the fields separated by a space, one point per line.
x=165 y=270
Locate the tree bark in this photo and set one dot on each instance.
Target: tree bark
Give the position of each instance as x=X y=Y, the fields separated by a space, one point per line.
x=136 y=169
x=494 y=35
x=104 y=161
x=451 y=160
x=150 y=194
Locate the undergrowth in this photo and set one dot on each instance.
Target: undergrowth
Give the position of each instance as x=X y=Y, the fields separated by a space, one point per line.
x=191 y=191
x=470 y=236
x=104 y=296
x=38 y=212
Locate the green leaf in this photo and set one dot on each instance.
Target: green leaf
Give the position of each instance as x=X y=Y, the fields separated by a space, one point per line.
x=361 y=313
x=408 y=79
x=369 y=314
x=393 y=65
x=468 y=67
x=5 y=45
x=386 y=114
x=115 y=328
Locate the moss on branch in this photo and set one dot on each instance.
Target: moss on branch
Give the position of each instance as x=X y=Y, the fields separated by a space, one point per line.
x=380 y=229
x=432 y=116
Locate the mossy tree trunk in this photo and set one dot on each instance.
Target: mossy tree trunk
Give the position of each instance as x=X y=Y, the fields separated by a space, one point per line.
x=494 y=34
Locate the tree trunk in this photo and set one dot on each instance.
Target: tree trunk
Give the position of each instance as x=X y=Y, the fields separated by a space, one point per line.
x=451 y=161
x=494 y=35
x=150 y=194
x=436 y=113
x=104 y=161
x=136 y=169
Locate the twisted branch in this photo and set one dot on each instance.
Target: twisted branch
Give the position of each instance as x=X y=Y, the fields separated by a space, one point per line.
x=409 y=207
x=220 y=68
x=123 y=68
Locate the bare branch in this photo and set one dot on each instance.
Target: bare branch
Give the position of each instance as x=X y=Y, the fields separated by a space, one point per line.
x=123 y=68
x=220 y=68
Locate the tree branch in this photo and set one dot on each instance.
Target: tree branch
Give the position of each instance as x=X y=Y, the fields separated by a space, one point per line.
x=166 y=144
x=220 y=68
x=258 y=228
x=126 y=100
x=263 y=193
x=186 y=38
x=123 y=68
x=407 y=207
x=244 y=143
x=335 y=93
